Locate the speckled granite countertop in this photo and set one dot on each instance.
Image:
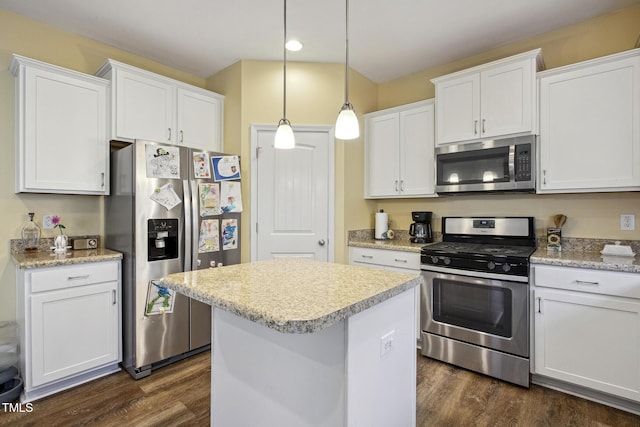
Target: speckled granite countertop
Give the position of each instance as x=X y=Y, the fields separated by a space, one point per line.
x=588 y=259
x=48 y=259
x=585 y=253
x=576 y=252
x=292 y=295
x=401 y=242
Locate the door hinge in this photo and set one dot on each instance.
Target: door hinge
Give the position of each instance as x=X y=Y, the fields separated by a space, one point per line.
x=258 y=151
x=256 y=228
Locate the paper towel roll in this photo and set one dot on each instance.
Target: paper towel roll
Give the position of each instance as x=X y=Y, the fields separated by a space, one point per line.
x=382 y=224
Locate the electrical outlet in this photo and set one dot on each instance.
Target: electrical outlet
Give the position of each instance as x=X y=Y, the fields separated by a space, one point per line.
x=386 y=343
x=47 y=222
x=627 y=222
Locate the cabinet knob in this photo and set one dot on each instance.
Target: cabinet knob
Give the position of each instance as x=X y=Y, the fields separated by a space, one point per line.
x=181 y=136
x=169 y=138
x=483 y=122
x=475 y=127
x=321 y=242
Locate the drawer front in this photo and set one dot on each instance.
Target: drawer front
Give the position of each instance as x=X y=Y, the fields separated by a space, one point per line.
x=399 y=259
x=587 y=280
x=47 y=279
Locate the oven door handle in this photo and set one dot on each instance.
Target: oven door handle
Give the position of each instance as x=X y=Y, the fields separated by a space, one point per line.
x=474 y=274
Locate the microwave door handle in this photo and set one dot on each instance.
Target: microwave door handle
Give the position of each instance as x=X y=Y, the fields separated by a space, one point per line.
x=512 y=163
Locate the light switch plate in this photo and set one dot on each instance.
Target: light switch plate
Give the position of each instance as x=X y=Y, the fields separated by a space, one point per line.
x=47 y=222
x=627 y=222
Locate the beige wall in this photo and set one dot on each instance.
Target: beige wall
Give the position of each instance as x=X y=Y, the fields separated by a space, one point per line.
x=607 y=34
x=315 y=93
x=80 y=214
x=590 y=215
x=253 y=91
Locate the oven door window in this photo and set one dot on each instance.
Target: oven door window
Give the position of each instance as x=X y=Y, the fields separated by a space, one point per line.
x=480 y=308
x=474 y=167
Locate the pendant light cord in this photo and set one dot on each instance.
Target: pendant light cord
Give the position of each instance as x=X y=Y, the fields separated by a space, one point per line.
x=284 y=74
x=346 y=43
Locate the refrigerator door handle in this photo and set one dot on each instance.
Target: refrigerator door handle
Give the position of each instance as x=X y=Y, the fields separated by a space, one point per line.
x=186 y=195
x=195 y=221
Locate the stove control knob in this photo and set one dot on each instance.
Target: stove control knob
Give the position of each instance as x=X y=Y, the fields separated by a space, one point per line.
x=447 y=261
x=434 y=259
x=506 y=267
x=491 y=265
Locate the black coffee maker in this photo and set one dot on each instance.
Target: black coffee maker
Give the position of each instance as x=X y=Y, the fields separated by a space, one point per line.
x=420 y=230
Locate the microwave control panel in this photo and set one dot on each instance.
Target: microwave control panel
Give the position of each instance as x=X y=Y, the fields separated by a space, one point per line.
x=523 y=162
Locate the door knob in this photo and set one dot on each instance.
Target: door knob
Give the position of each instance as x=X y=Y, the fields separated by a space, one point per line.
x=321 y=242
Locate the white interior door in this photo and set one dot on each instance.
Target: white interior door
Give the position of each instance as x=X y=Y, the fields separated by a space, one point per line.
x=292 y=194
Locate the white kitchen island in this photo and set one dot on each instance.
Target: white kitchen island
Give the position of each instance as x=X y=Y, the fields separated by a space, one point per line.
x=306 y=343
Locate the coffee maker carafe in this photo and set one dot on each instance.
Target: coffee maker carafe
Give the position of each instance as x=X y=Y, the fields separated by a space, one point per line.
x=420 y=230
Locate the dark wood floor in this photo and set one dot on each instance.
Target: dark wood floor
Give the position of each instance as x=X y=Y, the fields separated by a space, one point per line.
x=179 y=395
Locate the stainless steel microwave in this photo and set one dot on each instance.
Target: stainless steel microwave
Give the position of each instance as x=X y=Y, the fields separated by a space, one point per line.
x=495 y=165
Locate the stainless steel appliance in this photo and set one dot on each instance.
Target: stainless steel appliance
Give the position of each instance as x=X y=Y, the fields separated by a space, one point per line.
x=420 y=229
x=496 y=165
x=475 y=299
x=164 y=216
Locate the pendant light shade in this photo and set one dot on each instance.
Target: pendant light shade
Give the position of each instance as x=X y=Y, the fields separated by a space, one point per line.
x=284 y=134
x=347 y=126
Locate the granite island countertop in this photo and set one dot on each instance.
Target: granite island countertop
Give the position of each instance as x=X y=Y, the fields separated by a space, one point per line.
x=292 y=295
x=38 y=259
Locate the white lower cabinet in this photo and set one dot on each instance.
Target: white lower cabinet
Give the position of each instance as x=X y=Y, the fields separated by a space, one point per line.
x=384 y=259
x=70 y=325
x=587 y=328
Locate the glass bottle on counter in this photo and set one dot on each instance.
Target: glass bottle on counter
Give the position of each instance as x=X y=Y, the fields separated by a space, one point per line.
x=31 y=235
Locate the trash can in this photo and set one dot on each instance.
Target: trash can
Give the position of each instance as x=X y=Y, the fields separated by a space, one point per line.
x=10 y=381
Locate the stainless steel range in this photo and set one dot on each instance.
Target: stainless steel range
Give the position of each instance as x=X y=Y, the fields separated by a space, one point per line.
x=475 y=299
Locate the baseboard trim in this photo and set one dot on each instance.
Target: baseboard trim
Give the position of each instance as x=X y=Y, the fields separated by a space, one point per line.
x=587 y=393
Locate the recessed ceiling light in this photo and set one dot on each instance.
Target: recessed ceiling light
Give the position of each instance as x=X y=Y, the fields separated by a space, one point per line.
x=293 y=45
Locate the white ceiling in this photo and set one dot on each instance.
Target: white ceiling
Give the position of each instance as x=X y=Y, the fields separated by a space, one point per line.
x=388 y=38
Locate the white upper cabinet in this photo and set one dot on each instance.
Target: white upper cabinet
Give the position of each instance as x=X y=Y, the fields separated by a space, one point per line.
x=590 y=125
x=144 y=107
x=491 y=100
x=153 y=107
x=61 y=129
x=199 y=119
x=399 y=151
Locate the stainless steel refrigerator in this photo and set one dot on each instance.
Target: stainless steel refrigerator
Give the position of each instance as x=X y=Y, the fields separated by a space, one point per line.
x=171 y=209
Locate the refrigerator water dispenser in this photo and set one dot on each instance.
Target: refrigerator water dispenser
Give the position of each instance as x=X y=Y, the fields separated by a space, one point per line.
x=162 y=239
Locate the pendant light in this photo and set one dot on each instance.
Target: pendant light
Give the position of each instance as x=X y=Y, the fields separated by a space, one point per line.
x=347 y=126
x=284 y=134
